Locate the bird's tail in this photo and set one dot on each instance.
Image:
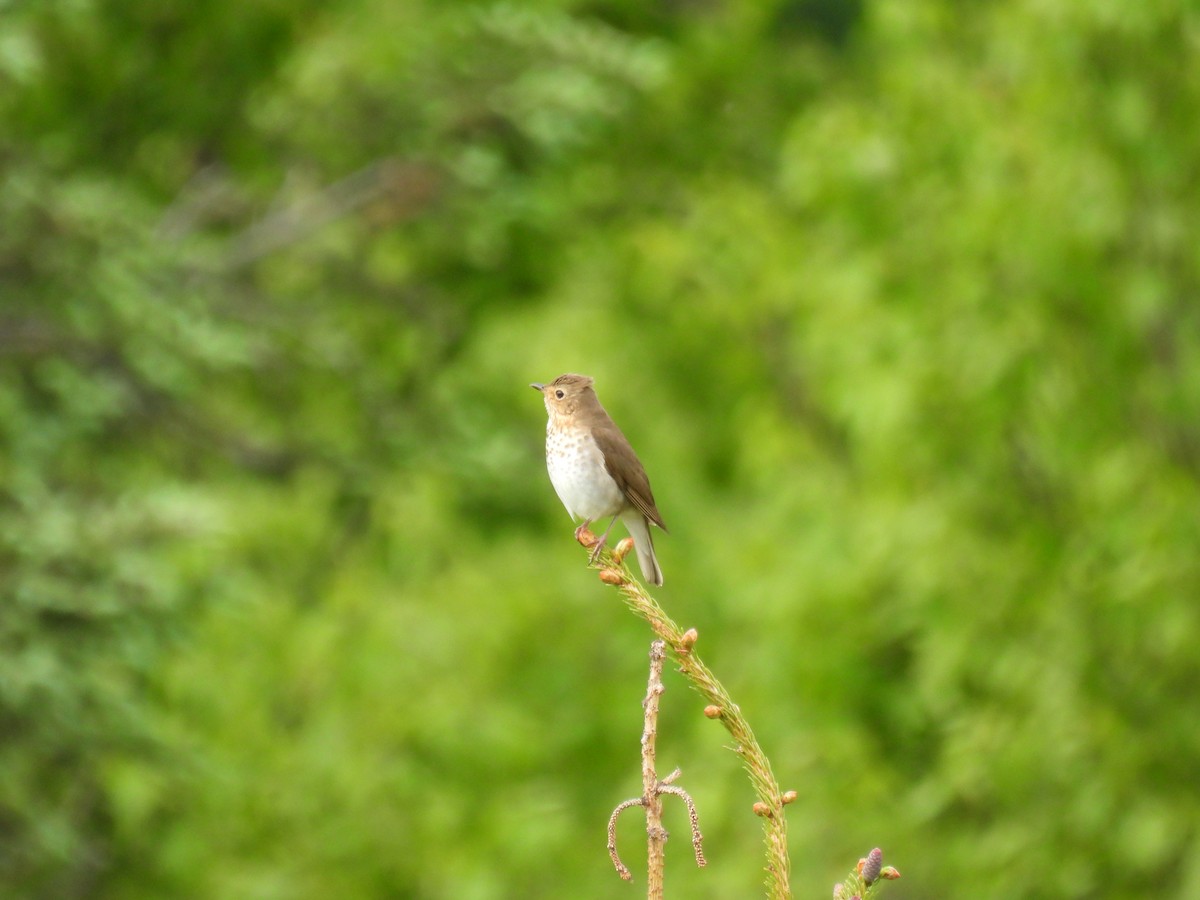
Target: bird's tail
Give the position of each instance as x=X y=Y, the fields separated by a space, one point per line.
x=639 y=530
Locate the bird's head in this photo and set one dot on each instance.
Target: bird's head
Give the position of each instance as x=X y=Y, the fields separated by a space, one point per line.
x=566 y=394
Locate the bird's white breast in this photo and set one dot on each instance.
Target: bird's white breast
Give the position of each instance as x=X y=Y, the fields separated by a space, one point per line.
x=576 y=468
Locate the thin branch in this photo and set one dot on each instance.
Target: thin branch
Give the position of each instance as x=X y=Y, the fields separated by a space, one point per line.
x=652 y=790
x=622 y=869
x=693 y=817
x=720 y=706
x=656 y=835
x=410 y=185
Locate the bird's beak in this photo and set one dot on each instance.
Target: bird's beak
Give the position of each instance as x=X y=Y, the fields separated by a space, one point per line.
x=537 y=387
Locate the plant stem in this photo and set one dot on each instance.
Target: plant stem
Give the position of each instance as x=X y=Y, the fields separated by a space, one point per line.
x=770 y=806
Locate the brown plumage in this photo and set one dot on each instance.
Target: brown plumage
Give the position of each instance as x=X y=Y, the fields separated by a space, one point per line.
x=593 y=467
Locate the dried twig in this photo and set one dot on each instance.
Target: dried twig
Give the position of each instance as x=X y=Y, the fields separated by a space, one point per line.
x=720 y=706
x=652 y=790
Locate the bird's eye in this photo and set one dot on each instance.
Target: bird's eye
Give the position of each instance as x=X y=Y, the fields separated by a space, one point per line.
x=559 y=394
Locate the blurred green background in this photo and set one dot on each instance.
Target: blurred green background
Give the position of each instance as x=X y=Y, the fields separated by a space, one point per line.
x=897 y=302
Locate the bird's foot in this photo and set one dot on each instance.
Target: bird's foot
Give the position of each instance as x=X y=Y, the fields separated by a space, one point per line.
x=584 y=535
x=595 y=550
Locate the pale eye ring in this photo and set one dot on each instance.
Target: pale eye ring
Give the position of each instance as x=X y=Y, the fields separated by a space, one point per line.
x=559 y=394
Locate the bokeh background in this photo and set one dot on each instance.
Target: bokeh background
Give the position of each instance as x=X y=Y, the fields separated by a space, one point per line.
x=897 y=301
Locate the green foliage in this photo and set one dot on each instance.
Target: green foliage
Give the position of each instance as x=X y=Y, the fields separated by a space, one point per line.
x=895 y=300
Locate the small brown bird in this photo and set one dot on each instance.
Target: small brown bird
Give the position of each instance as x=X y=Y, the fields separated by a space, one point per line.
x=594 y=469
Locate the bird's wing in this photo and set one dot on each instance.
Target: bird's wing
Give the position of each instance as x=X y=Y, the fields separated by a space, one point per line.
x=632 y=480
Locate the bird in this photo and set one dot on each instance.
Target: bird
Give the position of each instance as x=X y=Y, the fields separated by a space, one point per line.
x=594 y=470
